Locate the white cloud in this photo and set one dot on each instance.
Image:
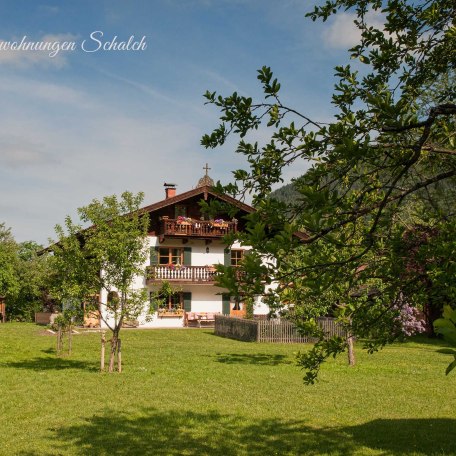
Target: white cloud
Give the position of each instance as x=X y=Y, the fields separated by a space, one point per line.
x=218 y=78
x=342 y=33
x=24 y=52
x=56 y=156
x=19 y=152
x=45 y=92
x=49 y=10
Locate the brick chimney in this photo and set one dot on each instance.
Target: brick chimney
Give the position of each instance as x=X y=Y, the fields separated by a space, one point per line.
x=170 y=190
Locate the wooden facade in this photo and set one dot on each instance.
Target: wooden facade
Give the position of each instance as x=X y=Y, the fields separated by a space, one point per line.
x=196 y=228
x=181 y=216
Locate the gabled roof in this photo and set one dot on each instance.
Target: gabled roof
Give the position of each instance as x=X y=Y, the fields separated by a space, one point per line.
x=208 y=190
x=203 y=190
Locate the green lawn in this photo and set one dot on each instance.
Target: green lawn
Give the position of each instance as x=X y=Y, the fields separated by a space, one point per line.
x=188 y=392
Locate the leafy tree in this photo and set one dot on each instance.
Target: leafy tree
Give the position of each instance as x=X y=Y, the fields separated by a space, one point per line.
x=245 y=282
x=24 y=276
x=104 y=260
x=446 y=326
x=9 y=282
x=378 y=171
x=34 y=272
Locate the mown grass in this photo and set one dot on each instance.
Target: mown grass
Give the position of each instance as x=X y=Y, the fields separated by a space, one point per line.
x=188 y=392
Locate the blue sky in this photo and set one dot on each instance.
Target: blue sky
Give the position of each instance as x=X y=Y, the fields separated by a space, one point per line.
x=84 y=125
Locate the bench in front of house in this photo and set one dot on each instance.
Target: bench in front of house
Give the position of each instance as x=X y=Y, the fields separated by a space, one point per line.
x=197 y=319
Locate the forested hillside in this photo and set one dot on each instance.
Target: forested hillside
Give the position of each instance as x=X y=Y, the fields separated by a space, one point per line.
x=286 y=194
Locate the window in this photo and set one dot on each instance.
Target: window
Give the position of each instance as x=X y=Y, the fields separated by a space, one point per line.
x=170 y=255
x=236 y=257
x=172 y=302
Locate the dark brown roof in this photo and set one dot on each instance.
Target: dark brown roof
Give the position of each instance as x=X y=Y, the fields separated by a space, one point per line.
x=204 y=190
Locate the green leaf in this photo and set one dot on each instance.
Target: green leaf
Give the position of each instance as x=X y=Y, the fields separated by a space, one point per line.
x=450 y=367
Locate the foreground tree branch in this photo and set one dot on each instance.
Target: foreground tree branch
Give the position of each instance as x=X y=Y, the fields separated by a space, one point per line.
x=383 y=172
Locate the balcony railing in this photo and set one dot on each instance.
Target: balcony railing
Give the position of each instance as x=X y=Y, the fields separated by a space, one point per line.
x=189 y=274
x=196 y=228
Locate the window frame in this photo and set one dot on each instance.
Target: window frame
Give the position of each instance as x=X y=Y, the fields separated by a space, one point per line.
x=171 y=304
x=170 y=258
x=236 y=259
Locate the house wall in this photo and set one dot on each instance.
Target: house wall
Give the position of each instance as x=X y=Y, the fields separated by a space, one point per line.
x=198 y=246
x=205 y=298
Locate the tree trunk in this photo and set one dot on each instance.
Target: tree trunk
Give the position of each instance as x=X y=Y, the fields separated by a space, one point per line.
x=432 y=311
x=70 y=339
x=119 y=356
x=59 y=340
x=112 y=356
x=351 y=350
x=103 y=348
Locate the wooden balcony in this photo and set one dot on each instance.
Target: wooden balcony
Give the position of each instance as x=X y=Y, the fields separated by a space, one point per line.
x=181 y=274
x=196 y=228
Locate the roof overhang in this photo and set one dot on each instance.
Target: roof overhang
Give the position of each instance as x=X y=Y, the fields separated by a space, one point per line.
x=204 y=191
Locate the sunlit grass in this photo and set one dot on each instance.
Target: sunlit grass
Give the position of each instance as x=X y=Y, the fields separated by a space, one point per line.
x=189 y=392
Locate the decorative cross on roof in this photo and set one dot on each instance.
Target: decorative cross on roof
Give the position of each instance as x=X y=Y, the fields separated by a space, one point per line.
x=206 y=180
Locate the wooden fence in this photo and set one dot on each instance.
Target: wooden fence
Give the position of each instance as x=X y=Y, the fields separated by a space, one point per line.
x=281 y=331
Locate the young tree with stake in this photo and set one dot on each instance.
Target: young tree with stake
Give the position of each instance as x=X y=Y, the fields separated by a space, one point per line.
x=104 y=260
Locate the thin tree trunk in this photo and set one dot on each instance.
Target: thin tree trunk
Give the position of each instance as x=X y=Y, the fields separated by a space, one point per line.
x=112 y=355
x=119 y=355
x=351 y=350
x=70 y=339
x=59 y=341
x=103 y=347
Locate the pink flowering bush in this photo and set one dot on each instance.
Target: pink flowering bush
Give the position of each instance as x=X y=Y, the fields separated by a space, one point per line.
x=410 y=319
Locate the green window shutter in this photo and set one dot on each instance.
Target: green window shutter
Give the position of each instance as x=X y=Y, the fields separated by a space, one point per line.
x=187 y=256
x=227 y=257
x=154 y=255
x=153 y=302
x=226 y=304
x=187 y=301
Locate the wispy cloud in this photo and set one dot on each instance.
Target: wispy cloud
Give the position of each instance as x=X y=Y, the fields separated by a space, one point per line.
x=47 y=51
x=49 y=10
x=19 y=152
x=59 y=94
x=218 y=78
x=141 y=87
x=342 y=32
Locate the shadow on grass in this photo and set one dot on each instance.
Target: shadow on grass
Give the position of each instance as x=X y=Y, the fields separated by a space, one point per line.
x=262 y=359
x=40 y=364
x=149 y=432
x=435 y=341
x=434 y=436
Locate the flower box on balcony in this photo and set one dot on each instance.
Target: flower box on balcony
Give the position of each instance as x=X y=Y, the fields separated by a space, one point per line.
x=179 y=313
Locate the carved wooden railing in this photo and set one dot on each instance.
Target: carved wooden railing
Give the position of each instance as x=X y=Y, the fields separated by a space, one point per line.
x=196 y=228
x=180 y=273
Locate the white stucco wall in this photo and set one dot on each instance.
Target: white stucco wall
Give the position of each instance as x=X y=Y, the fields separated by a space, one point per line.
x=206 y=297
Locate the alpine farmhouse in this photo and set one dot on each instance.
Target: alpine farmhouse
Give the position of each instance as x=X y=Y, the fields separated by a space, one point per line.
x=184 y=246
